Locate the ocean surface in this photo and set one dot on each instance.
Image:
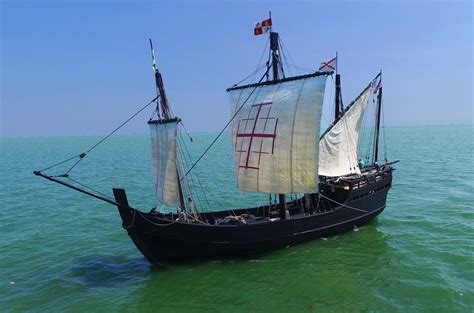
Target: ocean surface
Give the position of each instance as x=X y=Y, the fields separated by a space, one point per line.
x=63 y=251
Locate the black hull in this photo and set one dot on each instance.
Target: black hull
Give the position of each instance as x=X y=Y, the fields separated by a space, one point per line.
x=161 y=238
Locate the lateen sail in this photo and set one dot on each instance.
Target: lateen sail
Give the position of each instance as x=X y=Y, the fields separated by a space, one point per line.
x=338 y=147
x=165 y=171
x=274 y=135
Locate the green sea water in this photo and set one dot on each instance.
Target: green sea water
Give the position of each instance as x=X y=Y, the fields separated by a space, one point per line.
x=63 y=251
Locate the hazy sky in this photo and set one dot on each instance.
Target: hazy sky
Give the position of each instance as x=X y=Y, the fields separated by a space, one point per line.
x=82 y=67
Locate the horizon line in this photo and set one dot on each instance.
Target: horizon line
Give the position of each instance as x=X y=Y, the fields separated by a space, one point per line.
x=210 y=131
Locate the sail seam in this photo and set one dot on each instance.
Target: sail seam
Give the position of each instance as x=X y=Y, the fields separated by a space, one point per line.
x=290 y=168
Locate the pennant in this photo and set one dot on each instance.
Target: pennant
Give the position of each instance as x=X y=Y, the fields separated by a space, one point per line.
x=329 y=65
x=263 y=27
x=379 y=86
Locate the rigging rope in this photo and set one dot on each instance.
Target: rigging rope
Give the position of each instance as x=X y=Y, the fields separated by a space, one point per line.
x=90 y=188
x=284 y=52
x=298 y=68
x=187 y=132
x=331 y=102
x=263 y=53
x=82 y=155
x=282 y=70
x=365 y=142
x=187 y=156
x=67 y=160
x=252 y=74
x=293 y=63
x=342 y=204
x=226 y=125
x=199 y=179
x=383 y=130
x=374 y=138
x=259 y=67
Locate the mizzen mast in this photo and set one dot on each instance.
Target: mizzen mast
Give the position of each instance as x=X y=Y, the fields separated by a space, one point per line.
x=338 y=108
x=377 y=119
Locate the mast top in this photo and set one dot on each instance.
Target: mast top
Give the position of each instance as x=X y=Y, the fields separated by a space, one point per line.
x=166 y=113
x=275 y=54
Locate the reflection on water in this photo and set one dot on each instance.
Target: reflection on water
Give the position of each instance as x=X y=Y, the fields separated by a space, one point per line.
x=348 y=263
x=107 y=271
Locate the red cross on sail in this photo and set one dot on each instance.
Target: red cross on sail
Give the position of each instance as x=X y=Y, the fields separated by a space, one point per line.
x=274 y=130
x=250 y=138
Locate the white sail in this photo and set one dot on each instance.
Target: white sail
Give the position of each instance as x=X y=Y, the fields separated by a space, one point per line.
x=338 y=147
x=165 y=171
x=275 y=134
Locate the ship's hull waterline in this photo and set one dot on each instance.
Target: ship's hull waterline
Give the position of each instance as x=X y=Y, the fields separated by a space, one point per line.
x=161 y=238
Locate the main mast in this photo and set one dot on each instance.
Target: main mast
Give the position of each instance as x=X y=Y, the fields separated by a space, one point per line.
x=275 y=63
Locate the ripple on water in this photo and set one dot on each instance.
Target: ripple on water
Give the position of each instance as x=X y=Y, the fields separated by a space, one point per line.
x=66 y=252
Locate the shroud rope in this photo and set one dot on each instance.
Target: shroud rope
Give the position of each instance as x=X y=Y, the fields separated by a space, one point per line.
x=82 y=155
x=226 y=125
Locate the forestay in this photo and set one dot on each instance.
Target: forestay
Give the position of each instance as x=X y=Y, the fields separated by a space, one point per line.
x=275 y=134
x=338 y=147
x=165 y=171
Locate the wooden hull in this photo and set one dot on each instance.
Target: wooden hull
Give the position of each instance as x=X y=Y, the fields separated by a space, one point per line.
x=162 y=239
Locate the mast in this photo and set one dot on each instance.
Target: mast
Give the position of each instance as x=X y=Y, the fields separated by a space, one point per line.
x=160 y=88
x=166 y=116
x=377 y=120
x=275 y=54
x=165 y=109
x=337 y=110
x=338 y=97
x=181 y=196
x=275 y=60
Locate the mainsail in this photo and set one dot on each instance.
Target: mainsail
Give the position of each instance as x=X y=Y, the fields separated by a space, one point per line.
x=274 y=131
x=164 y=151
x=338 y=146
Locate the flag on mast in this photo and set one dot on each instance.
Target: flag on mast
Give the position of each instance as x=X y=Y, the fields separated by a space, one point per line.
x=330 y=65
x=153 y=62
x=263 y=27
x=378 y=87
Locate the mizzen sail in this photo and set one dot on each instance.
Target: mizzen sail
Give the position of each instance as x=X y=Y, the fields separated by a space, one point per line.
x=338 y=147
x=164 y=153
x=274 y=132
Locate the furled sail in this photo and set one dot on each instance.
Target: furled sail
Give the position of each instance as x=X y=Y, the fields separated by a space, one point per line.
x=275 y=131
x=165 y=170
x=338 y=146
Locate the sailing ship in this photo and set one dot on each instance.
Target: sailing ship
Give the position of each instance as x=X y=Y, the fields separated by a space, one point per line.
x=278 y=150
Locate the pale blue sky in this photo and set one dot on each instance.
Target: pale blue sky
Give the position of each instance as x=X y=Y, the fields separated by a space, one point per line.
x=81 y=67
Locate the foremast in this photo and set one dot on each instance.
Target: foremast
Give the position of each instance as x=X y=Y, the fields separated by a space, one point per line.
x=164 y=146
x=160 y=90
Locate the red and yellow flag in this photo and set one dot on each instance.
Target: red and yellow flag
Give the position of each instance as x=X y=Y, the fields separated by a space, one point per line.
x=263 y=27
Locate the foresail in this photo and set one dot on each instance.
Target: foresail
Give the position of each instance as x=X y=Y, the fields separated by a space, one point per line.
x=165 y=171
x=275 y=134
x=338 y=147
